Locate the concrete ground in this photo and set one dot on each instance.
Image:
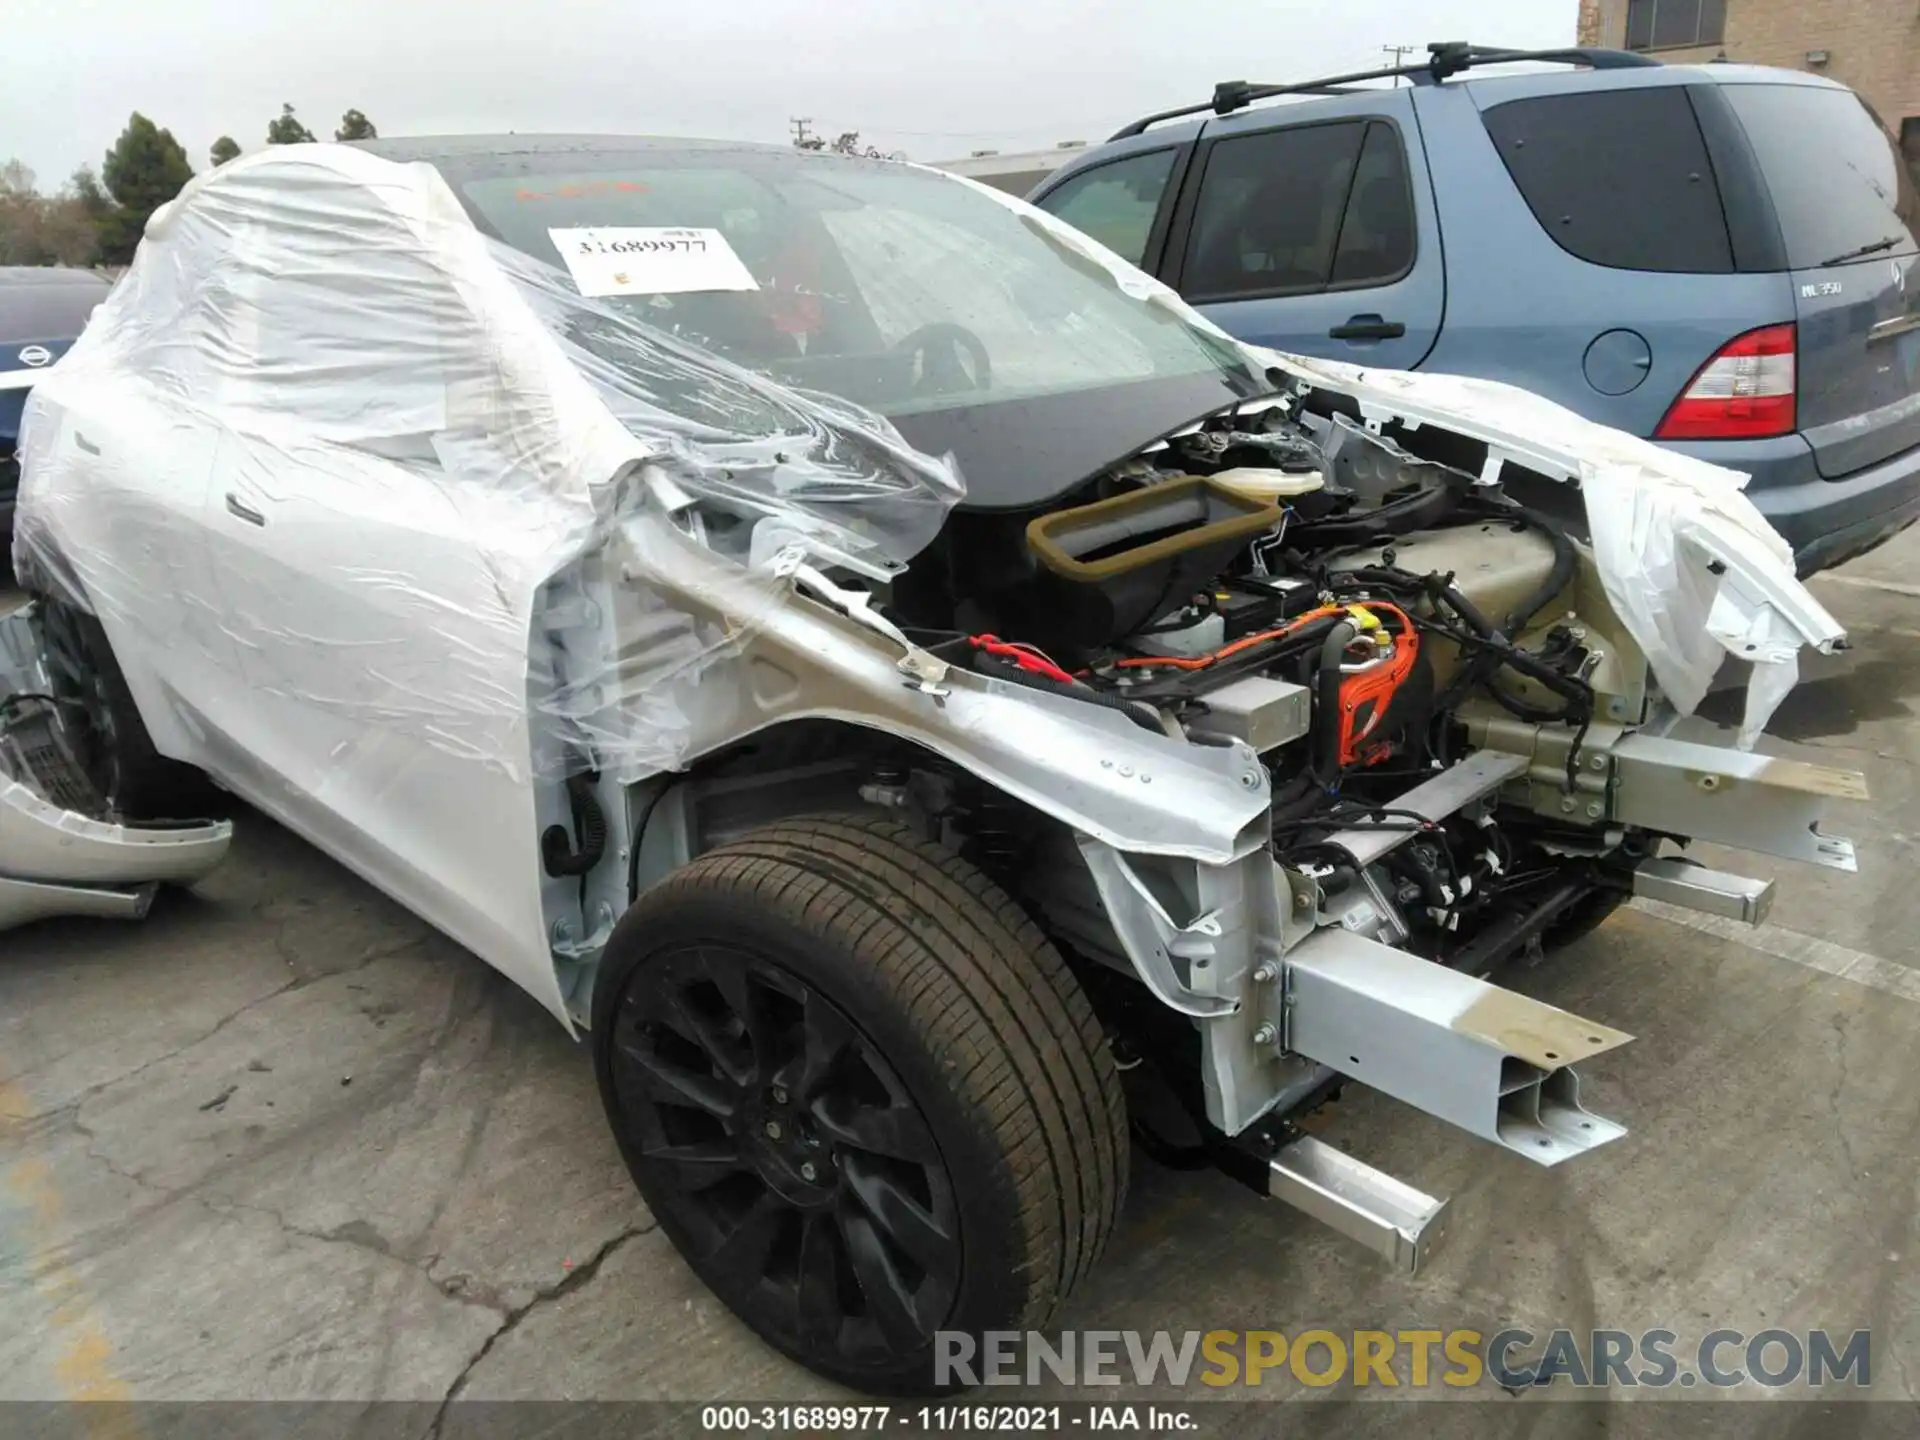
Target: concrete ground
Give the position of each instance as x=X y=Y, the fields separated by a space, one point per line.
x=282 y=1140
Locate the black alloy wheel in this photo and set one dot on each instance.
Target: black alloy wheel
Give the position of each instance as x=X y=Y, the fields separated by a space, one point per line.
x=862 y=1094
x=794 y=1155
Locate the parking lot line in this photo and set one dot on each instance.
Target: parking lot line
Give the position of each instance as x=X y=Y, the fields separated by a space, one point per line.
x=1842 y=963
x=1868 y=582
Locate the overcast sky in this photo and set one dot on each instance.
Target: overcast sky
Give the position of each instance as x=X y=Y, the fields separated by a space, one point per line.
x=936 y=78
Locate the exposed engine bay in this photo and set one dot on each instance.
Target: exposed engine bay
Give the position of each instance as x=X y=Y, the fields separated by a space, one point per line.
x=1353 y=611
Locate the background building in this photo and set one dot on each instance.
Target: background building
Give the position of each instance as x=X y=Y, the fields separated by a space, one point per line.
x=1871 y=45
x=1014 y=173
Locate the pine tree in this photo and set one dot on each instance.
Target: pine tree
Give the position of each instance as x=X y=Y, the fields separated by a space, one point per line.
x=286 y=129
x=145 y=169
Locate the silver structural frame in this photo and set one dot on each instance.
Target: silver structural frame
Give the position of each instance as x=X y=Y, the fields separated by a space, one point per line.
x=1400 y=1224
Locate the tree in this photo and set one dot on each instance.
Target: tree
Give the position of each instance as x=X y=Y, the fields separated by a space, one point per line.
x=847 y=142
x=68 y=234
x=145 y=169
x=38 y=229
x=355 y=126
x=224 y=149
x=286 y=129
x=86 y=192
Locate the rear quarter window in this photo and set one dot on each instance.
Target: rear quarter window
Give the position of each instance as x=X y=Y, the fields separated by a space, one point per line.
x=1617 y=177
x=1836 y=176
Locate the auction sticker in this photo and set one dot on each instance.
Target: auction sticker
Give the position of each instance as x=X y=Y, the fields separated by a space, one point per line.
x=650 y=260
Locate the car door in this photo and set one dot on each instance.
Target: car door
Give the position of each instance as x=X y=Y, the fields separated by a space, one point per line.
x=130 y=466
x=377 y=605
x=1317 y=237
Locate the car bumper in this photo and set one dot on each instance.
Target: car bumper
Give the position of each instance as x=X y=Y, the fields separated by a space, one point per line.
x=1827 y=522
x=57 y=860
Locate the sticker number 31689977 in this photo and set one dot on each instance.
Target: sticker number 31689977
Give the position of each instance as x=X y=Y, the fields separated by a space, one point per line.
x=650 y=260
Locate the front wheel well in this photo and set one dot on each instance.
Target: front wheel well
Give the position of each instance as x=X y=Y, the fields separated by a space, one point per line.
x=813 y=766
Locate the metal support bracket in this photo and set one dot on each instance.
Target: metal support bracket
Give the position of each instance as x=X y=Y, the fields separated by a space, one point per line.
x=1390 y=1218
x=1711 y=892
x=1489 y=1060
x=1448 y=792
x=1152 y=938
x=1732 y=797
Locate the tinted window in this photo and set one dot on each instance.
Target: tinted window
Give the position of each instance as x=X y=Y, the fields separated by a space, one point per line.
x=1659 y=24
x=1377 y=231
x=1617 y=177
x=1837 y=180
x=1115 y=203
x=1268 y=217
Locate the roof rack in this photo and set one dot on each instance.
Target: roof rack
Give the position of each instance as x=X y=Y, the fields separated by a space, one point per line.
x=1444 y=60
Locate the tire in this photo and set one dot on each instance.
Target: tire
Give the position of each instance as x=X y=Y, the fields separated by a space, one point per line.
x=1581 y=919
x=913 y=1037
x=111 y=740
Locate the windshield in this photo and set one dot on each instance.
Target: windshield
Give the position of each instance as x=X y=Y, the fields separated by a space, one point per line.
x=899 y=289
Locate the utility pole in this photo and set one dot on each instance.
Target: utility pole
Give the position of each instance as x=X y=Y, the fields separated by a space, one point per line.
x=1398 y=52
x=802 y=138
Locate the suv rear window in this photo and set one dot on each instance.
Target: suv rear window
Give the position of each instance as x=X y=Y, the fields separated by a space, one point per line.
x=1838 y=183
x=1617 y=177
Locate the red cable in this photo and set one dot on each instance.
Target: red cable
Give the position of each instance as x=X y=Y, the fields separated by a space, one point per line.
x=1024 y=656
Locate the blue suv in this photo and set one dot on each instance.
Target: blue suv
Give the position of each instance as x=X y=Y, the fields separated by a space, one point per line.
x=1719 y=257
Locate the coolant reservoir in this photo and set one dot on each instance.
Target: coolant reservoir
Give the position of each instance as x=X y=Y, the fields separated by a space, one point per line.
x=1270 y=486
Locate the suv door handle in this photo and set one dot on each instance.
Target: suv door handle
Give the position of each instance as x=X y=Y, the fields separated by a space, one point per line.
x=1367 y=327
x=240 y=510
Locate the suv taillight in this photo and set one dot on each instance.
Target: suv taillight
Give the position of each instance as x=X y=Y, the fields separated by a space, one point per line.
x=1745 y=392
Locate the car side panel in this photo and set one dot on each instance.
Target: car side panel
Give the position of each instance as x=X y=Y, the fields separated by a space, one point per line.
x=375 y=719
x=147 y=465
x=1523 y=310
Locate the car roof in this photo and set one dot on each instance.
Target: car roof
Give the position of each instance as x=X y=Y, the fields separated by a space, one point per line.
x=435 y=148
x=46 y=302
x=1485 y=85
x=51 y=276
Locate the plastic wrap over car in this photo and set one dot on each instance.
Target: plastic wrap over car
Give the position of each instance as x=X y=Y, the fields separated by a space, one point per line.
x=554 y=432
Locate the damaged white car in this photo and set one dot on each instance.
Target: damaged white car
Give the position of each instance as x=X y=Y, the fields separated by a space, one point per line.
x=885 y=667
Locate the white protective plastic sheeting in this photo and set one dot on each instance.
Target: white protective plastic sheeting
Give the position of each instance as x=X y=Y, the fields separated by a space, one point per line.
x=330 y=337
x=1687 y=560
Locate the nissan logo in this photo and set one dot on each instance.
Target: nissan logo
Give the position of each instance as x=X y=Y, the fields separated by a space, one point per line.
x=35 y=355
